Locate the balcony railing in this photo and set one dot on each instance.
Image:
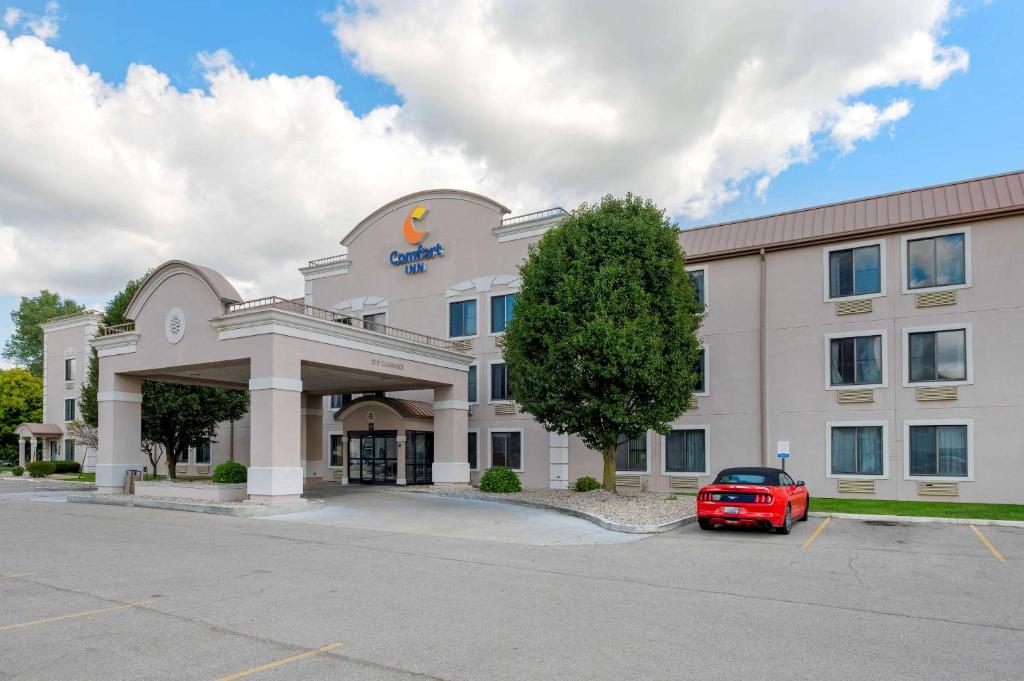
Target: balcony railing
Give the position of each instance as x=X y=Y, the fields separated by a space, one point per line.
x=328 y=261
x=116 y=329
x=72 y=315
x=296 y=307
x=530 y=217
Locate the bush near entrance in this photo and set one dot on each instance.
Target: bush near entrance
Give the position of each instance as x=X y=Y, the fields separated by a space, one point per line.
x=40 y=469
x=586 y=484
x=17 y=471
x=67 y=467
x=500 y=480
x=230 y=472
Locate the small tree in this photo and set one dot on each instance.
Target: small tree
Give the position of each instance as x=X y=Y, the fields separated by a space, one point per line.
x=21 y=401
x=25 y=346
x=603 y=342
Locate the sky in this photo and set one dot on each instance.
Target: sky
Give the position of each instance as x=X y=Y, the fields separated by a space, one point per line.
x=251 y=137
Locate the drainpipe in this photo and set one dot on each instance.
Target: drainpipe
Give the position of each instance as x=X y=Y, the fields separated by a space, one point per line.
x=762 y=370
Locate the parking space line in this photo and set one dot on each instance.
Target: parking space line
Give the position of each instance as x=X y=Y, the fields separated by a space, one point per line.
x=817 y=531
x=73 y=615
x=282 y=661
x=20 y=574
x=988 y=544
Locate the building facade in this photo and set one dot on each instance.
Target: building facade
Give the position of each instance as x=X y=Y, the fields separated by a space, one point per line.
x=873 y=340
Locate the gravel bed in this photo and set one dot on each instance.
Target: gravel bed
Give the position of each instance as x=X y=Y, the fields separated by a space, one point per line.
x=632 y=508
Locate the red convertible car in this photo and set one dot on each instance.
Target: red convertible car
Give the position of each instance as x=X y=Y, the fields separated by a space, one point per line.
x=761 y=497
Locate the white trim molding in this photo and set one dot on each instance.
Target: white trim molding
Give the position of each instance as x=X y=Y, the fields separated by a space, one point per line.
x=450 y=471
x=490 y=447
x=461 y=405
x=829 y=425
x=939 y=422
x=118 y=396
x=275 y=480
x=883 y=360
x=484 y=284
x=827 y=272
x=706 y=268
x=116 y=344
x=707 y=450
x=914 y=236
x=968 y=351
x=276 y=383
x=448 y=317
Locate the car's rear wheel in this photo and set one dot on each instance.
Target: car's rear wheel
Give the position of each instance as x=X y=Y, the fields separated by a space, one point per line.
x=705 y=524
x=787 y=521
x=807 y=510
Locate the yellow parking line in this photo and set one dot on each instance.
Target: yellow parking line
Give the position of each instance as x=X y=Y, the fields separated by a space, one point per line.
x=817 y=531
x=988 y=544
x=58 y=618
x=282 y=661
x=21 y=574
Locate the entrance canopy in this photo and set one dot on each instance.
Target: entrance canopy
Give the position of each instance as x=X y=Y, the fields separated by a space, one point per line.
x=188 y=326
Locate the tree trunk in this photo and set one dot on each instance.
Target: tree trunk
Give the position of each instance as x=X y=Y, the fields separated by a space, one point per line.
x=172 y=462
x=608 y=481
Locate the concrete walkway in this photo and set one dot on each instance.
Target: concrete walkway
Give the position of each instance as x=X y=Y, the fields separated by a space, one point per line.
x=377 y=508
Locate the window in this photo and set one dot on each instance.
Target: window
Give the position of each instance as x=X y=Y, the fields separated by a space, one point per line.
x=857 y=450
x=700 y=370
x=631 y=456
x=337 y=450
x=375 y=322
x=182 y=457
x=697 y=279
x=471 y=391
x=499 y=382
x=939 y=355
x=69 y=369
x=939 y=450
x=69 y=409
x=471 y=448
x=69 y=450
x=939 y=260
x=53 y=450
x=502 y=311
x=462 y=318
x=855 y=360
x=785 y=480
x=507 y=449
x=204 y=453
x=855 y=271
x=686 y=451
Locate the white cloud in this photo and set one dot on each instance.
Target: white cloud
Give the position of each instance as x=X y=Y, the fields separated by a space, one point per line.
x=45 y=26
x=534 y=103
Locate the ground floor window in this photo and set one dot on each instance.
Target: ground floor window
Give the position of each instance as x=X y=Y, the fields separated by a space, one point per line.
x=857 y=450
x=69 y=450
x=939 y=450
x=204 y=453
x=337 y=450
x=182 y=457
x=53 y=450
x=686 y=451
x=631 y=456
x=507 y=449
x=471 y=448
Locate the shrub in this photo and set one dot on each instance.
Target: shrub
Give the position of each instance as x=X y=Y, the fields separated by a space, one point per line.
x=500 y=480
x=586 y=484
x=67 y=467
x=40 y=469
x=230 y=472
x=18 y=471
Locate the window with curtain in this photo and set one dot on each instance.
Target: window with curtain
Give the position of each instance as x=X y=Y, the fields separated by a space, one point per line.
x=375 y=322
x=499 y=382
x=697 y=279
x=936 y=261
x=502 y=308
x=69 y=409
x=631 y=456
x=471 y=392
x=685 y=451
x=700 y=370
x=855 y=271
x=856 y=361
x=938 y=355
x=471 y=448
x=337 y=451
x=856 y=450
x=462 y=318
x=938 y=450
x=507 y=449
x=204 y=453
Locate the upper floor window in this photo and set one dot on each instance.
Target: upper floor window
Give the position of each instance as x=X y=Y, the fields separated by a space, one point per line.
x=69 y=409
x=855 y=360
x=939 y=355
x=472 y=389
x=939 y=260
x=697 y=279
x=204 y=453
x=375 y=322
x=337 y=401
x=632 y=455
x=69 y=369
x=686 y=451
x=462 y=318
x=700 y=369
x=855 y=271
x=502 y=308
x=499 y=382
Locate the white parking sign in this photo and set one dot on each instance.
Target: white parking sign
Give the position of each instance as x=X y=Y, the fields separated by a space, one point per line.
x=783 y=449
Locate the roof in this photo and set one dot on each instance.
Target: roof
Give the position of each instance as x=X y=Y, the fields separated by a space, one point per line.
x=214 y=279
x=961 y=201
x=40 y=429
x=409 y=409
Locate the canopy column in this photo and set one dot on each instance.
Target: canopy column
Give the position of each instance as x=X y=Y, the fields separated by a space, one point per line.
x=276 y=433
x=119 y=402
x=451 y=423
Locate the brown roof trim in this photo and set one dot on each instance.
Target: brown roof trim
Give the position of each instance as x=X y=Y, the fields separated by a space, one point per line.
x=38 y=429
x=407 y=409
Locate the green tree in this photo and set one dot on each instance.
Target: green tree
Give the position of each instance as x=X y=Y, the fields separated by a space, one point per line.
x=603 y=343
x=25 y=346
x=21 y=401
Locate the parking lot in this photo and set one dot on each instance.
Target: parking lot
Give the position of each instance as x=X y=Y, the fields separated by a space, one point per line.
x=97 y=592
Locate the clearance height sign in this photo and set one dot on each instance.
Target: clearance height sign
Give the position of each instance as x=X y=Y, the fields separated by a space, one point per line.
x=414 y=261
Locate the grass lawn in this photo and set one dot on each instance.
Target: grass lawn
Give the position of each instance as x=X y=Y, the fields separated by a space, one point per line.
x=75 y=477
x=930 y=509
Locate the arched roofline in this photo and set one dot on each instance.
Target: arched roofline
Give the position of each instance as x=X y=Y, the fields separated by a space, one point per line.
x=394 y=405
x=459 y=194
x=213 y=279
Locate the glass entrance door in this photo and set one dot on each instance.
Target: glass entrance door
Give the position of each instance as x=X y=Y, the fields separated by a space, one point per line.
x=419 y=458
x=373 y=457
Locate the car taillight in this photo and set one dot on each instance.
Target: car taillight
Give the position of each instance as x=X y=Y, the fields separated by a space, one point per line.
x=762 y=498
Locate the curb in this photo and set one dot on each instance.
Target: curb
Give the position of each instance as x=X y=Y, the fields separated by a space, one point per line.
x=919 y=519
x=592 y=517
x=168 y=505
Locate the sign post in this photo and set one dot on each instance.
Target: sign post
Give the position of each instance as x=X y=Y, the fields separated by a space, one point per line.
x=783 y=451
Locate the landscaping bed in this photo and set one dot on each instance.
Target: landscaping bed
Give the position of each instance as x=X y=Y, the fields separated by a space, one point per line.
x=631 y=511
